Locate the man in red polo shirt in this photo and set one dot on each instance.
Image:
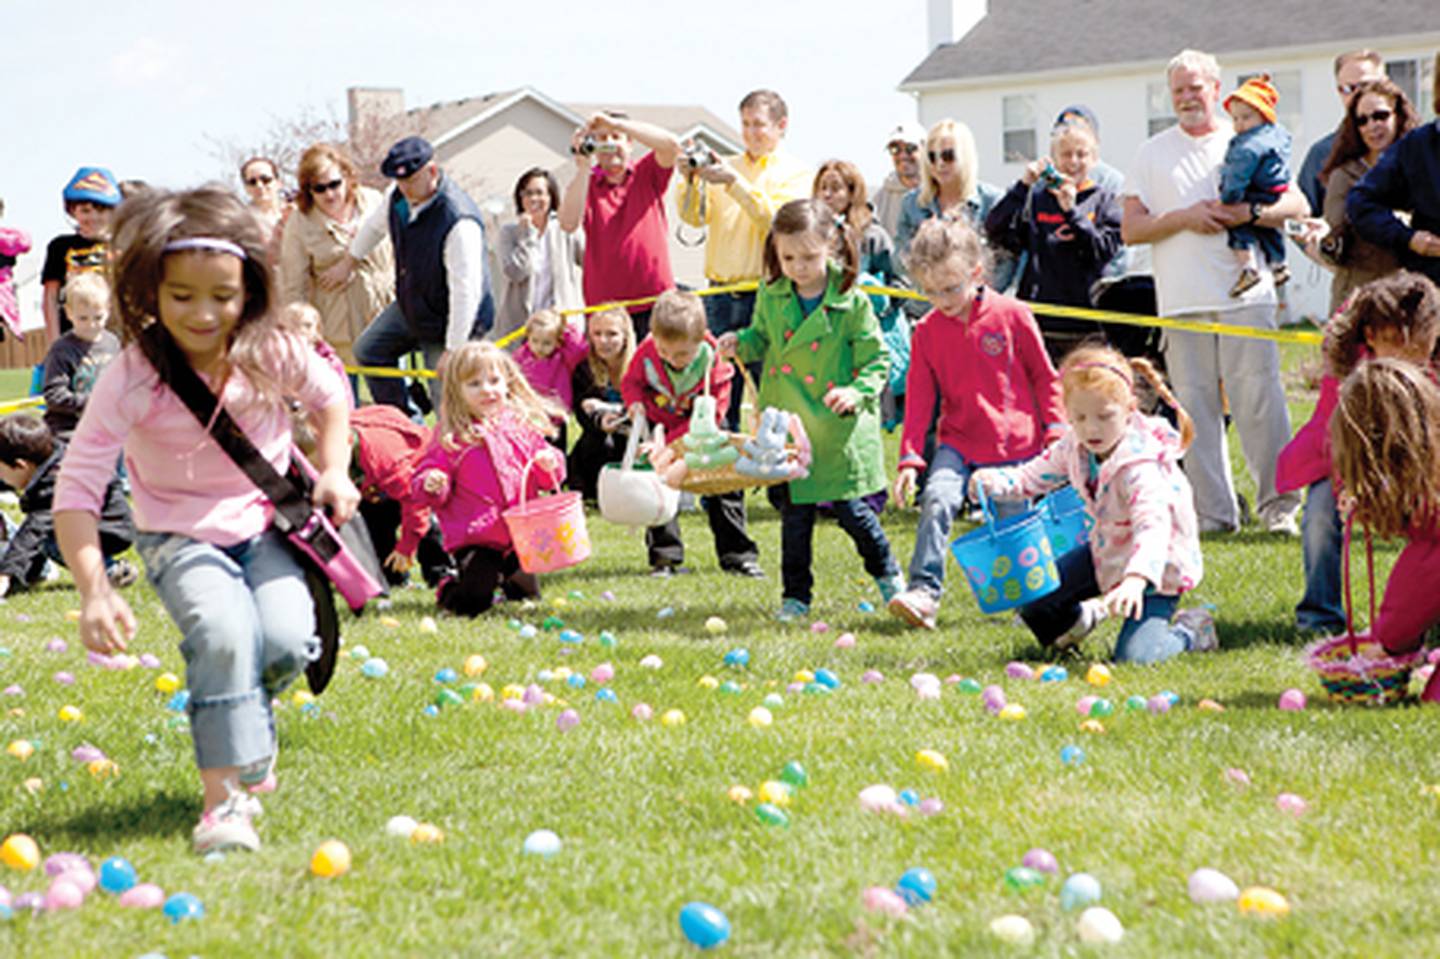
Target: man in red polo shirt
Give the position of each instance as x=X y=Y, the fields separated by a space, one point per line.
x=622 y=208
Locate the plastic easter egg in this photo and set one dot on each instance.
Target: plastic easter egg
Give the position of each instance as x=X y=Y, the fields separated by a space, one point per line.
x=920 y=680
x=401 y=826
x=482 y=693
x=771 y=815
x=542 y=842
x=528 y=631
x=1018 y=670
x=708 y=682
x=64 y=679
x=774 y=791
x=551 y=623
x=534 y=695
x=149 y=660
x=179 y=702
x=730 y=688
x=909 y=797
x=1080 y=889
x=607 y=639
x=827 y=679
x=740 y=795
x=1263 y=902
x=428 y=625
x=426 y=834
x=602 y=674
x=970 y=687
x=931 y=806
x=1072 y=755
x=448 y=697
x=845 y=641
x=1292 y=700
x=167 y=683
x=872 y=676
x=932 y=760
x=794 y=775
x=803 y=676
x=116 y=875
x=430 y=710
x=665 y=612
x=1040 y=860
x=773 y=701
x=575 y=681
x=145 y=895
x=1083 y=704
x=1054 y=674
x=63 y=894
x=1099 y=925
x=182 y=907
x=14 y=689
x=994 y=698
x=331 y=859
x=1098 y=675
x=651 y=661
x=21 y=749
x=1012 y=712
x=62 y=862
x=820 y=626
x=714 y=625
x=446 y=675
x=672 y=717
x=887 y=902
x=1135 y=703
x=375 y=668
x=1209 y=706
x=606 y=696
x=475 y=665
x=1170 y=695
x=1211 y=885
x=760 y=718
x=865 y=606
x=1094 y=726
x=1013 y=929
x=1292 y=804
x=916 y=886
x=1102 y=708
x=359 y=653
x=1157 y=704
x=20 y=853
x=85 y=753
x=642 y=712
x=928 y=692
x=70 y=714
x=571 y=636
x=703 y=924
x=878 y=798
x=1023 y=879
x=33 y=785
x=567 y=720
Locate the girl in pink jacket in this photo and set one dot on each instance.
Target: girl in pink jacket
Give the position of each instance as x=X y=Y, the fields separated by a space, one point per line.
x=1144 y=549
x=493 y=425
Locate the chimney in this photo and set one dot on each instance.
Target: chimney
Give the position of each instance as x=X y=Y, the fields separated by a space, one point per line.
x=949 y=20
x=369 y=107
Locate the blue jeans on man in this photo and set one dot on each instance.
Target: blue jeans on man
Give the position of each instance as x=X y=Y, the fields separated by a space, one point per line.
x=385 y=341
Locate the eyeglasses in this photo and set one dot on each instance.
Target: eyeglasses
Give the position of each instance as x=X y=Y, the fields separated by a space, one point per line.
x=1379 y=116
x=316 y=189
x=947 y=155
x=1346 y=89
x=909 y=149
x=260 y=180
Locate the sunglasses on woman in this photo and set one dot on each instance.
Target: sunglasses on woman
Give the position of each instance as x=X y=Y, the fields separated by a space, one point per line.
x=317 y=189
x=947 y=155
x=1379 y=116
x=259 y=180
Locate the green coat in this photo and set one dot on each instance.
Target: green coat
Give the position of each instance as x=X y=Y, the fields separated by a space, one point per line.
x=839 y=344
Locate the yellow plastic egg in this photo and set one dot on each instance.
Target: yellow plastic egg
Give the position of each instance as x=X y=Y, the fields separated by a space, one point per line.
x=1013 y=712
x=739 y=794
x=1093 y=726
x=804 y=676
x=428 y=625
x=512 y=691
x=1263 y=901
x=561 y=673
x=331 y=859
x=21 y=749
x=708 y=682
x=426 y=833
x=301 y=697
x=70 y=714
x=1098 y=675
x=167 y=683
x=389 y=622
x=20 y=853
x=72 y=615
x=102 y=768
x=475 y=665
x=1210 y=706
x=773 y=791
x=672 y=717
x=932 y=760
x=760 y=718
x=482 y=693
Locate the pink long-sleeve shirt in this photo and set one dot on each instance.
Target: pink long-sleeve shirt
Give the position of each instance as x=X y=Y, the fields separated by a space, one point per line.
x=998 y=392
x=550 y=375
x=181 y=480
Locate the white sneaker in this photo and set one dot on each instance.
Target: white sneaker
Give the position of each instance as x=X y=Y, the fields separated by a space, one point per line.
x=228 y=826
x=1199 y=623
x=1284 y=522
x=916 y=607
x=1092 y=614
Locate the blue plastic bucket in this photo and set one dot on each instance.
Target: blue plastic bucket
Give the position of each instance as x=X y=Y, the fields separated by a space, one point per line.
x=1008 y=562
x=1066 y=523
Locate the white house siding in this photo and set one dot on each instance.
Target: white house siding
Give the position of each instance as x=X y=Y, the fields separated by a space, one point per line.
x=1117 y=94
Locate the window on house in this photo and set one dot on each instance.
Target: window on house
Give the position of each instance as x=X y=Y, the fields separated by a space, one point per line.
x=1288 y=111
x=1416 y=77
x=1018 y=143
x=1159 y=114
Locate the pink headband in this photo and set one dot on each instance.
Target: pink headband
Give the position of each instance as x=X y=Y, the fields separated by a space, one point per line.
x=209 y=243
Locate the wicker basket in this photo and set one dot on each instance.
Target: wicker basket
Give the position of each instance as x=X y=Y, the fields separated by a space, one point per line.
x=1354 y=668
x=725 y=479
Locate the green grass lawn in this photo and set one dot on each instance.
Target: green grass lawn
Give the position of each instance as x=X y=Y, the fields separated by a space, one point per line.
x=642 y=808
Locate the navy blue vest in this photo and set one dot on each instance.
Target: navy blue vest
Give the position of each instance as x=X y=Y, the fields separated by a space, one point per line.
x=421 y=287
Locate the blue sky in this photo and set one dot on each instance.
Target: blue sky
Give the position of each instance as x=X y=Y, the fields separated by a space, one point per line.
x=144 y=87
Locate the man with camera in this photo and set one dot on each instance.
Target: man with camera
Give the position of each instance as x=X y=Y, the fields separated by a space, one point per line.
x=736 y=198
x=622 y=208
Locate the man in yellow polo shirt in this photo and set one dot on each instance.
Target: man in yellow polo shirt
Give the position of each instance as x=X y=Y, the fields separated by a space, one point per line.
x=736 y=199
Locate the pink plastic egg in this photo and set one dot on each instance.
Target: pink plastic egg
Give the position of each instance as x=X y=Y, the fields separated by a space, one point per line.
x=884 y=901
x=146 y=895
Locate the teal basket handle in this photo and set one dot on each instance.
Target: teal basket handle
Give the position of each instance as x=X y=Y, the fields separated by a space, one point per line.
x=987 y=509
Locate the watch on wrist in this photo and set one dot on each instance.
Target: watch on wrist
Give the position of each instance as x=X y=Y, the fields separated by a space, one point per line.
x=1255 y=209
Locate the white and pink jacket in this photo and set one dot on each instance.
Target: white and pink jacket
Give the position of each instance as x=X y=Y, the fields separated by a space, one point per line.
x=1140 y=500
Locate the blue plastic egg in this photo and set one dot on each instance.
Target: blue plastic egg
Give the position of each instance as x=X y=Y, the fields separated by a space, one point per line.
x=571 y=636
x=703 y=924
x=909 y=797
x=446 y=675
x=116 y=875
x=375 y=668
x=865 y=606
x=575 y=681
x=605 y=696
x=528 y=631
x=1081 y=889
x=431 y=710
x=917 y=886
x=183 y=906
x=1072 y=755
x=1054 y=674
x=179 y=701
x=544 y=676
x=739 y=658
x=827 y=679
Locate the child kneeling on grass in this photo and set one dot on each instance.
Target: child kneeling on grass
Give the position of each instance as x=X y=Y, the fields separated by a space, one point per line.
x=1386 y=440
x=1144 y=548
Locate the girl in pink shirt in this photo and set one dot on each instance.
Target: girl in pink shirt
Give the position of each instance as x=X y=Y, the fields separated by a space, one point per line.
x=492 y=425
x=1144 y=548
x=196 y=263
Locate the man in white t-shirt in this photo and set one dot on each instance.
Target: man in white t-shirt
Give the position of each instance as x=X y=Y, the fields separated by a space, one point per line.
x=1172 y=202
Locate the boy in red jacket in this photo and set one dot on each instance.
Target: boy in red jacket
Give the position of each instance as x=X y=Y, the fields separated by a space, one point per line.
x=387 y=444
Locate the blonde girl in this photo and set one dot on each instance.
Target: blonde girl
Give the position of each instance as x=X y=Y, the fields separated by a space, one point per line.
x=1144 y=548
x=823 y=360
x=493 y=424
x=598 y=407
x=192 y=286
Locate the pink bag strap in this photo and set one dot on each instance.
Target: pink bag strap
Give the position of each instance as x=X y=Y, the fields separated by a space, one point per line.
x=1345 y=569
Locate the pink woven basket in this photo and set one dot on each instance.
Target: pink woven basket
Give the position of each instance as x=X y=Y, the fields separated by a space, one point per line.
x=548 y=531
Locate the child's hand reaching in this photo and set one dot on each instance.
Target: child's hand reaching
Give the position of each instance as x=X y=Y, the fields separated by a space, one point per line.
x=980 y=483
x=727 y=343
x=399 y=562
x=842 y=400
x=904 y=487
x=333 y=489
x=1128 y=599
x=434 y=482
x=549 y=459
x=106 y=623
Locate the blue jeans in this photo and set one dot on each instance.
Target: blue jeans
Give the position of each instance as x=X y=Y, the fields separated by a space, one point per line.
x=944 y=494
x=797 y=535
x=1322 y=540
x=725 y=312
x=384 y=342
x=248 y=629
x=1149 y=639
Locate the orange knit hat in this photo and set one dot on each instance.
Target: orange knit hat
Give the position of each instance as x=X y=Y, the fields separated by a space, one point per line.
x=1258 y=93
